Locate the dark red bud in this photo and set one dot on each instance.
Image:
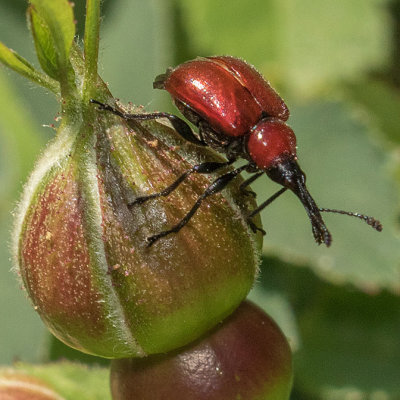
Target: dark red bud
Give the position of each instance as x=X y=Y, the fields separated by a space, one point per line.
x=245 y=357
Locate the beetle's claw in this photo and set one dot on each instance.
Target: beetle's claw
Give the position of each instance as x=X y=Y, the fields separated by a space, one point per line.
x=255 y=228
x=246 y=192
x=152 y=239
x=100 y=106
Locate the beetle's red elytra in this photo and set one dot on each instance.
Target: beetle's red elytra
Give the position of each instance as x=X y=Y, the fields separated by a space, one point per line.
x=230 y=100
x=240 y=115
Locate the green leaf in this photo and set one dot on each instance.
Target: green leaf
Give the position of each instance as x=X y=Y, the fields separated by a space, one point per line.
x=349 y=340
x=276 y=304
x=44 y=43
x=332 y=41
x=69 y=380
x=379 y=104
x=20 y=141
x=130 y=73
x=58 y=19
x=13 y=60
x=350 y=345
x=345 y=170
x=17 y=63
x=304 y=45
x=251 y=31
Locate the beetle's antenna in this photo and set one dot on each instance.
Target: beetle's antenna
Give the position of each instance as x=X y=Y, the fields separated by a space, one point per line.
x=374 y=223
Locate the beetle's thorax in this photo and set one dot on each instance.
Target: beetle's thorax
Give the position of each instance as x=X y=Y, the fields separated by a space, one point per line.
x=269 y=142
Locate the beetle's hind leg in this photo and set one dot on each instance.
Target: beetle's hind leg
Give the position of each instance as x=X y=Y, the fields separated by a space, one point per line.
x=256 y=211
x=179 y=124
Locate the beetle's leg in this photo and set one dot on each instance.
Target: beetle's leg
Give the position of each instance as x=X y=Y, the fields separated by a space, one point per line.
x=267 y=202
x=203 y=168
x=179 y=124
x=218 y=185
x=248 y=182
x=255 y=228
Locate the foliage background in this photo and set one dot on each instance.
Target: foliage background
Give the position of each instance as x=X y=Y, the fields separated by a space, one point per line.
x=337 y=64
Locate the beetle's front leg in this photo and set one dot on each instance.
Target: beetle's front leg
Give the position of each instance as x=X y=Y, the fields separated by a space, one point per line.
x=248 y=182
x=203 y=168
x=252 y=225
x=217 y=186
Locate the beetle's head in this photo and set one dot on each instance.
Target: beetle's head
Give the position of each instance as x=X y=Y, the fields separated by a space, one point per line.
x=272 y=147
x=288 y=173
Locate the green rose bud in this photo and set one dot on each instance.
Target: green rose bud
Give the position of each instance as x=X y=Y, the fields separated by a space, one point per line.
x=80 y=247
x=245 y=357
x=82 y=252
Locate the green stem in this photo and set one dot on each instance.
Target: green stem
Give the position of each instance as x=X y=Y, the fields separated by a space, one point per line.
x=18 y=64
x=41 y=79
x=91 y=49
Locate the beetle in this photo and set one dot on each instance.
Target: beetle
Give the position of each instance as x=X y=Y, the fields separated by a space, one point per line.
x=240 y=115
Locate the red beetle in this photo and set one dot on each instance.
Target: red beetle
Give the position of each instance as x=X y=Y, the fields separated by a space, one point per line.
x=240 y=115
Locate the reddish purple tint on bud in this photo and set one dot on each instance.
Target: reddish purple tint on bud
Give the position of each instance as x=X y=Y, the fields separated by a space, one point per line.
x=15 y=386
x=82 y=252
x=55 y=260
x=245 y=357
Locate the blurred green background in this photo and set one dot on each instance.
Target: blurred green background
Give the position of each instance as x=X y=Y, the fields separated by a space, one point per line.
x=337 y=64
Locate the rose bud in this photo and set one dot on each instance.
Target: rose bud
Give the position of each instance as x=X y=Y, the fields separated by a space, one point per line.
x=245 y=357
x=82 y=251
x=16 y=386
x=81 y=243
x=53 y=381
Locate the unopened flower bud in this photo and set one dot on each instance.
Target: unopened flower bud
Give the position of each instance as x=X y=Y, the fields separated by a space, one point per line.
x=82 y=253
x=245 y=357
x=16 y=386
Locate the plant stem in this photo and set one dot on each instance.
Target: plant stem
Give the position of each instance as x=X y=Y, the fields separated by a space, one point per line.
x=91 y=47
x=41 y=79
x=17 y=63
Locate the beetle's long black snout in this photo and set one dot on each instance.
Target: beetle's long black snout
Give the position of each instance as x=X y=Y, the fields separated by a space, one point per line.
x=289 y=174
